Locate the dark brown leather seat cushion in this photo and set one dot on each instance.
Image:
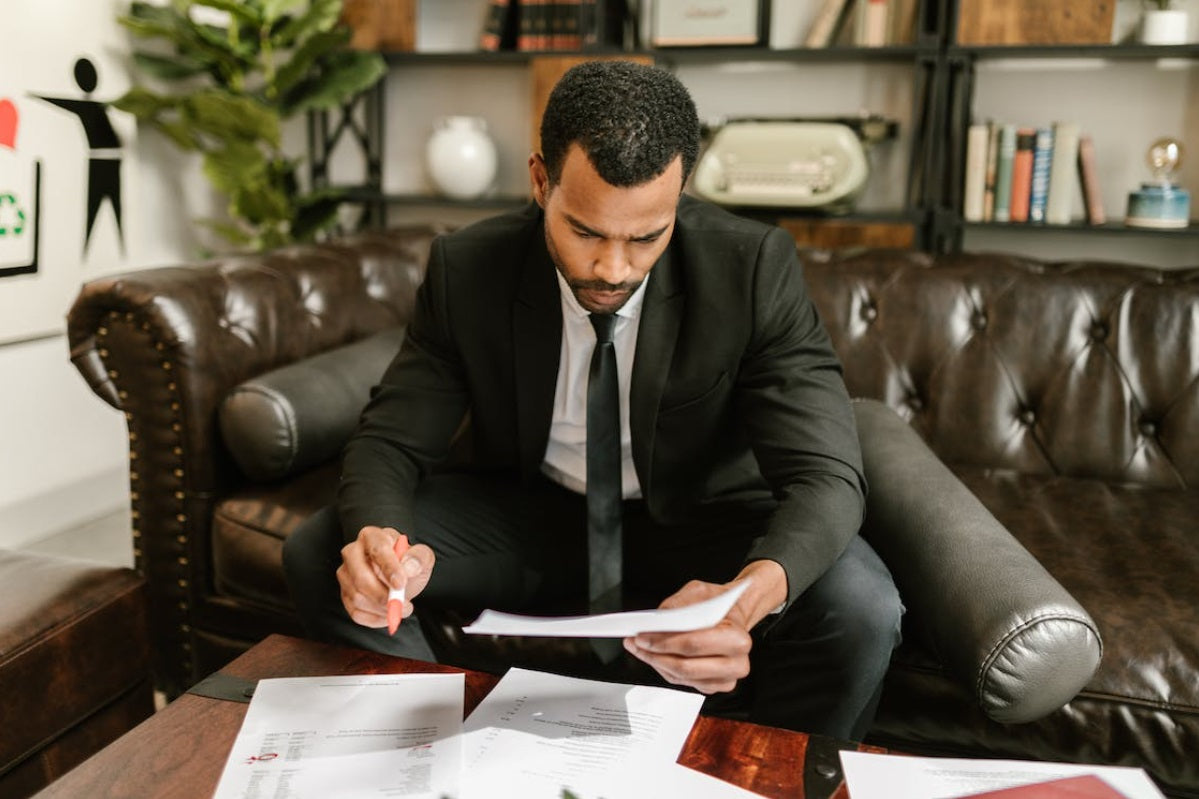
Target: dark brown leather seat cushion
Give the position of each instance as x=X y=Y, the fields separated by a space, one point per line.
x=74 y=664
x=1130 y=555
x=248 y=530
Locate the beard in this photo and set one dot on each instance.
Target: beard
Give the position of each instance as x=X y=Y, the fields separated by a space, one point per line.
x=595 y=296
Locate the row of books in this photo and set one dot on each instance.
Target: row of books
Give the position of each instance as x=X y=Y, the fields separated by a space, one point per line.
x=863 y=23
x=1017 y=174
x=539 y=25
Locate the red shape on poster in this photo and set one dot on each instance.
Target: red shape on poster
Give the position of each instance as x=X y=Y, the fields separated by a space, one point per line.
x=8 y=124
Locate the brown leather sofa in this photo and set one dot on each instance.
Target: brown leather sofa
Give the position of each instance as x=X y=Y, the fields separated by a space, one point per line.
x=1065 y=397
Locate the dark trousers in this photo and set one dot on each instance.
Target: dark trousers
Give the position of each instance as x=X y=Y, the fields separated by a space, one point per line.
x=817 y=667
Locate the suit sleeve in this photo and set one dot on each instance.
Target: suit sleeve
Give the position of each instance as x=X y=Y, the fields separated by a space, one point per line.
x=411 y=418
x=800 y=421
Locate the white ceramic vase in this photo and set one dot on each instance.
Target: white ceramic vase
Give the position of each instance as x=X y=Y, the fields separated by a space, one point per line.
x=1167 y=26
x=460 y=157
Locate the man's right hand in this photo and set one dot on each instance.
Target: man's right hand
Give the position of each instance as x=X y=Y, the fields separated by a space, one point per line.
x=369 y=569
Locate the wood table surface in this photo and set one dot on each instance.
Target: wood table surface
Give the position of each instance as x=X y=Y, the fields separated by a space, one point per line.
x=180 y=751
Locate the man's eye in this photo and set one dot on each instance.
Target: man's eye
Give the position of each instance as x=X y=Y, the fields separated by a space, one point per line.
x=583 y=234
x=646 y=239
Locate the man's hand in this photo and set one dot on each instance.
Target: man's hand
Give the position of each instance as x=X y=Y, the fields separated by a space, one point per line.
x=369 y=568
x=713 y=660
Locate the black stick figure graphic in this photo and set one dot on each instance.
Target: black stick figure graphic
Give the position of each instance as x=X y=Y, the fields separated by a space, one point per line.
x=104 y=148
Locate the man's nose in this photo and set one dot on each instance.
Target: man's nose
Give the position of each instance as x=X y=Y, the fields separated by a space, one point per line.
x=612 y=262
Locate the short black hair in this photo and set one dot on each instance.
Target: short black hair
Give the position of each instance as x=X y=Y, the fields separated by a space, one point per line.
x=631 y=120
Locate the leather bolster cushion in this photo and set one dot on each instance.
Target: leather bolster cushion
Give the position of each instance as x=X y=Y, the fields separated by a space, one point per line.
x=995 y=618
x=300 y=415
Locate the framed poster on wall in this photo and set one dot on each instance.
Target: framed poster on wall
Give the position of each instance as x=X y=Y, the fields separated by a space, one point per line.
x=64 y=159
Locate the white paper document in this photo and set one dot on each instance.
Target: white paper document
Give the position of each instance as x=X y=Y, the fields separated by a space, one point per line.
x=538 y=733
x=387 y=735
x=873 y=776
x=611 y=625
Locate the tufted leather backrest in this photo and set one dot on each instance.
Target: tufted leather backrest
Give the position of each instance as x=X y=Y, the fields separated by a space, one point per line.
x=1079 y=369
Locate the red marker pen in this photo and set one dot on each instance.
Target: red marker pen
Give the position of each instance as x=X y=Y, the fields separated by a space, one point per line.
x=395 y=597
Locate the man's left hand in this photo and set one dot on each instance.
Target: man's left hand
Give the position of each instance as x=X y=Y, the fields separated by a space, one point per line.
x=712 y=660
x=709 y=660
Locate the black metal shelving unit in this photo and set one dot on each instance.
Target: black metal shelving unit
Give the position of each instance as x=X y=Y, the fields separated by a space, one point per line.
x=944 y=75
x=960 y=64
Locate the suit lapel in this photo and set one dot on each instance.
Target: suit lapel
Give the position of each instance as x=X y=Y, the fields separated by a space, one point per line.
x=537 y=343
x=661 y=315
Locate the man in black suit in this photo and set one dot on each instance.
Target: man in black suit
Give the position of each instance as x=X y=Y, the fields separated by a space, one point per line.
x=739 y=457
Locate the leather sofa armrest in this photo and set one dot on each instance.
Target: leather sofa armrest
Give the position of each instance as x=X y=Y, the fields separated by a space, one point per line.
x=166 y=345
x=1000 y=624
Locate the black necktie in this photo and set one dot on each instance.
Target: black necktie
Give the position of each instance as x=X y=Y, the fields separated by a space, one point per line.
x=603 y=470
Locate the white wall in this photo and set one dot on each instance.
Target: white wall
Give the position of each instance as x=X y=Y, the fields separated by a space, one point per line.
x=62 y=450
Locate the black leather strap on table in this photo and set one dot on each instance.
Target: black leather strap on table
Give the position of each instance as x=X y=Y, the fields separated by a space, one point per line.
x=219 y=685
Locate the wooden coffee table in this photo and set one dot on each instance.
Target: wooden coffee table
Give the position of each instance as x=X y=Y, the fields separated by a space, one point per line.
x=179 y=752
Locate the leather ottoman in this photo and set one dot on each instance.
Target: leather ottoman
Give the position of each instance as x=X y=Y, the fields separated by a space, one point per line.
x=74 y=664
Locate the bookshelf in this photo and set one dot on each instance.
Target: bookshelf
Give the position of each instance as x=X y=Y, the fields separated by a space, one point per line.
x=935 y=86
x=1125 y=94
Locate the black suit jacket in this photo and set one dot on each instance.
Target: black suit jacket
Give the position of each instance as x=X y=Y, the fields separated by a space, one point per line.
x=736 y=394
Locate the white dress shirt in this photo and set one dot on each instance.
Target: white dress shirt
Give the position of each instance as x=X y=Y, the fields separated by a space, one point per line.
x=566 y=453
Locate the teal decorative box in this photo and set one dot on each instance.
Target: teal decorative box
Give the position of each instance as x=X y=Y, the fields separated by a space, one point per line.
x=1155 y=205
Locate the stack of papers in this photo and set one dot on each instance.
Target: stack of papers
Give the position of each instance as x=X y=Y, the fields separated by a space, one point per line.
x=535 y=735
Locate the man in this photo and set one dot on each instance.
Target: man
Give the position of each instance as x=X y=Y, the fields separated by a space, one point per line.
x=739 y=458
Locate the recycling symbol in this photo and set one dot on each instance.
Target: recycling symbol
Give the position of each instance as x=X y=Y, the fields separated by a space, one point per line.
x=12 y=217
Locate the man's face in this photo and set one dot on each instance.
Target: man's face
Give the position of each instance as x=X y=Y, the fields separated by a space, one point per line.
x=605 y=239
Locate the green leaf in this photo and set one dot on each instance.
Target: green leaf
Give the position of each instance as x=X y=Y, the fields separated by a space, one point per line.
x=182 y=134
x=143 y=103
x=320 y=17
x=303 y=59
x=235 y=166
x=274 y=9
x=230 y=231
x=148 y=21
x=260 y=203
x=350 y=74
x=315 y=213
x=248 y=13
x=215 y=41
x=169 y=67
x=230 y=116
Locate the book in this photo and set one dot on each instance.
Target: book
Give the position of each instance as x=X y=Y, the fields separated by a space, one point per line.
x=828 y=20
x=498 y=28
x=1006 y=152
x=903 y=21
x=872 y=23
x=974 y=186
x=532 y=25
x=1026 y=139
x=1062 y=167
x=1038 y=194
x=1092 y=199
x=989 y=173
x=565 y=31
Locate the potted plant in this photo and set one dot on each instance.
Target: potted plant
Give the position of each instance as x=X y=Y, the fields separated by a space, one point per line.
x=1162 y=23
x=237 y=70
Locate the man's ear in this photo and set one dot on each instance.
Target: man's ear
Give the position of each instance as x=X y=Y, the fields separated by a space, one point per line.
x=539 y=178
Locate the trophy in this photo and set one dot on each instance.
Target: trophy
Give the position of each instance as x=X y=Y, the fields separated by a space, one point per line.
x=1161 y=203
